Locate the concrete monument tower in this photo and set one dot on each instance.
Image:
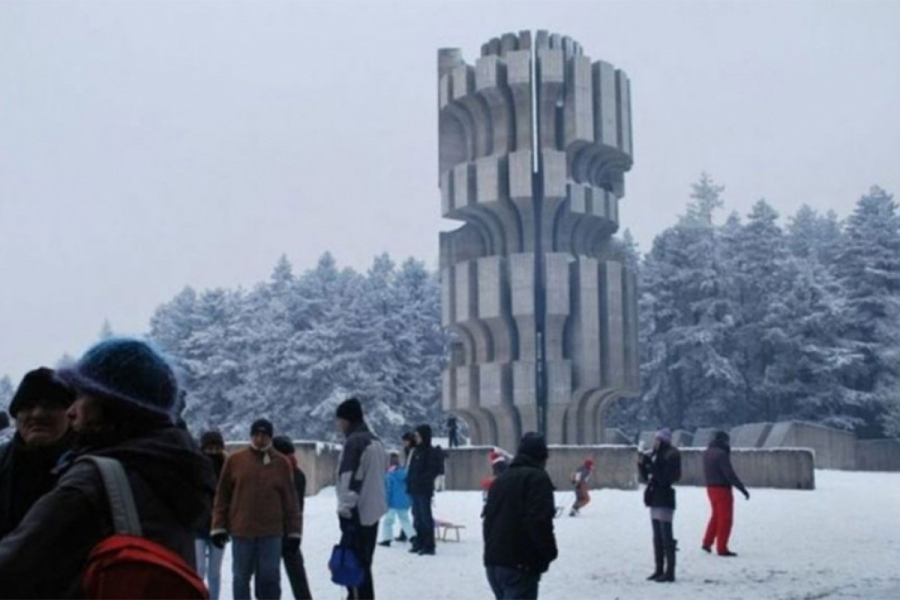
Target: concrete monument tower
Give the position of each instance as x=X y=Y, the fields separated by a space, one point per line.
x=535 y=140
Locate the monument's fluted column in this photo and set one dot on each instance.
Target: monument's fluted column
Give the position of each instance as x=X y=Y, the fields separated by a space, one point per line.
x=534 y=143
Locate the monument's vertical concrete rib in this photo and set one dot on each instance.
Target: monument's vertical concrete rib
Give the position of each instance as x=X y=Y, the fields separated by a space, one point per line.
x=544 y=311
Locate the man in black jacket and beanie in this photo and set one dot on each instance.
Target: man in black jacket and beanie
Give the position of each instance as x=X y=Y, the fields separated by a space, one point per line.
x=424 y=467
x=519 y=543
x=125 y=394
x=292 y=556
x=42 y=436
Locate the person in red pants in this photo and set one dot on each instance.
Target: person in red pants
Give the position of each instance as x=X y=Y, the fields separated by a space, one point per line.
x=720 y=478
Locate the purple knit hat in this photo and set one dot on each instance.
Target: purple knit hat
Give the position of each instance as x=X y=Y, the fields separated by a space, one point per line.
x=664 y=435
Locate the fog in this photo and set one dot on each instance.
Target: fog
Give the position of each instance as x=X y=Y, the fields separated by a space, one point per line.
x=149 y=146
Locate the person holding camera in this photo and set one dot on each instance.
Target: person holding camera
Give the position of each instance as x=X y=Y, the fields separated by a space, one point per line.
x=661 y=469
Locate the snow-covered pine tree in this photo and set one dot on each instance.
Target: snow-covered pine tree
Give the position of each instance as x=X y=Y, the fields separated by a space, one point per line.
x=811 y=236
x=6 y=391
x=756 y=261
x=868 y=268
x=687 y=380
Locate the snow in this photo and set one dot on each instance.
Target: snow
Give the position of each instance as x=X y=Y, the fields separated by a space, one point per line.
x=841 y=540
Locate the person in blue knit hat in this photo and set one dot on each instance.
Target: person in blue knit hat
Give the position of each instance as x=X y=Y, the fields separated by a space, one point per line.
x=125 y=394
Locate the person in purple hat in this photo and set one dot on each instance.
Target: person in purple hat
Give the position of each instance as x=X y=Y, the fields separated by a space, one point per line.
x=661 y=469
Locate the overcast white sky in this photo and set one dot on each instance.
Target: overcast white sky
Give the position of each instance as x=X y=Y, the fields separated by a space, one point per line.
x=149 y=146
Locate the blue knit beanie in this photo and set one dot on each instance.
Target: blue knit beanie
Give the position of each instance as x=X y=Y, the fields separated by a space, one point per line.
x=126 y=371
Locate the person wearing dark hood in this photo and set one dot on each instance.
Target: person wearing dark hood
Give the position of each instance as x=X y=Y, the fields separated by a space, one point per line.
x=519 y=543
x=42 y=435
x=424 y=467
x=720 y=478
x=452 y=432
x=125 y=392
x=209 y=556
x=661 y=469
x=360 y=489
x=256 y=503
x=293 y=559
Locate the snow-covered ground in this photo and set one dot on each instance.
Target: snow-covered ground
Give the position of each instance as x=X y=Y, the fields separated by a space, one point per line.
x=840 y=541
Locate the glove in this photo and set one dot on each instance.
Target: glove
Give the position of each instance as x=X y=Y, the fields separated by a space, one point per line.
x=220 y=539
x=746 y=494
x=290 y=545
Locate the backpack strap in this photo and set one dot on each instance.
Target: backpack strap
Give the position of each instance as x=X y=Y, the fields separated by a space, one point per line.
x=118 y=492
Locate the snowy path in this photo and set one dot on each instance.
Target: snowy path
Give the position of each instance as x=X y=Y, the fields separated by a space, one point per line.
x=840 y=541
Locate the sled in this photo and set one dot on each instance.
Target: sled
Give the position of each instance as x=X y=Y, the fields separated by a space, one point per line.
x=443 y=529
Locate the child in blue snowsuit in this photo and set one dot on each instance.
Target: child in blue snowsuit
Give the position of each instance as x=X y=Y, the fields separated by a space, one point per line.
x=398 y=503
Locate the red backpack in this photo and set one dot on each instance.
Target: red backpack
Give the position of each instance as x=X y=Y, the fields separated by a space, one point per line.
x=126 y=565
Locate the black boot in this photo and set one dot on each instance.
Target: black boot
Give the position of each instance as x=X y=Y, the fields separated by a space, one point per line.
x=670 y=547
x=401 y=537
x=657 y=551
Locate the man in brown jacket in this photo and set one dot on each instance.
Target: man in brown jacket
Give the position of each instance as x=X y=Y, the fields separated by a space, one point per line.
x=256 y=503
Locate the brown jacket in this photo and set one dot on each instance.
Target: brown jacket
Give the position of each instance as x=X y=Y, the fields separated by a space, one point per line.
x=256 y=497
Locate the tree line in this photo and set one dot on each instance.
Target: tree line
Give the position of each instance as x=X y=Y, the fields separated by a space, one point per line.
x=744 y=321
x=750 y=321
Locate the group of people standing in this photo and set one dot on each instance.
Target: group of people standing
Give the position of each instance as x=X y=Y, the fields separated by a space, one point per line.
x=519 y=540
x=115 y=404
x=258 y=508
x=118 y=402
x=661 y=469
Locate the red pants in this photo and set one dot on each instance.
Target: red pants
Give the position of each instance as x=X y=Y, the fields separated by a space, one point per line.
x=719 y=527
x=582 y=496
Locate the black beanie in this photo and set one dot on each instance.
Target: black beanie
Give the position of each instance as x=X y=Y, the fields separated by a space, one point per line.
x=351 y=410
x=283 y=444
x=211 y=438
x=41 y=385
x=534 y=445
x=262 y=426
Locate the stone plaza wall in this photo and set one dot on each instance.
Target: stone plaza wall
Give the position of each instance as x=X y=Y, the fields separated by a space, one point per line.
x=878 y=455
x=834 y=449
x=750 y=435
x=784 y=468
x=616 y=467
x=466 y=466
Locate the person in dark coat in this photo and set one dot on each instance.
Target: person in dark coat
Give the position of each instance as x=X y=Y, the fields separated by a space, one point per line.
x=293 y=558
x=720 y=478
x=209 y=556
x=424 y=467
x=42 y=436
x=452 y=432
x=519 y=543
x=661 y=469
x=125 y=392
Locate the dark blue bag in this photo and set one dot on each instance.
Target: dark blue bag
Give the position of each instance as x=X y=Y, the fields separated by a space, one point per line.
x=345 y=567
